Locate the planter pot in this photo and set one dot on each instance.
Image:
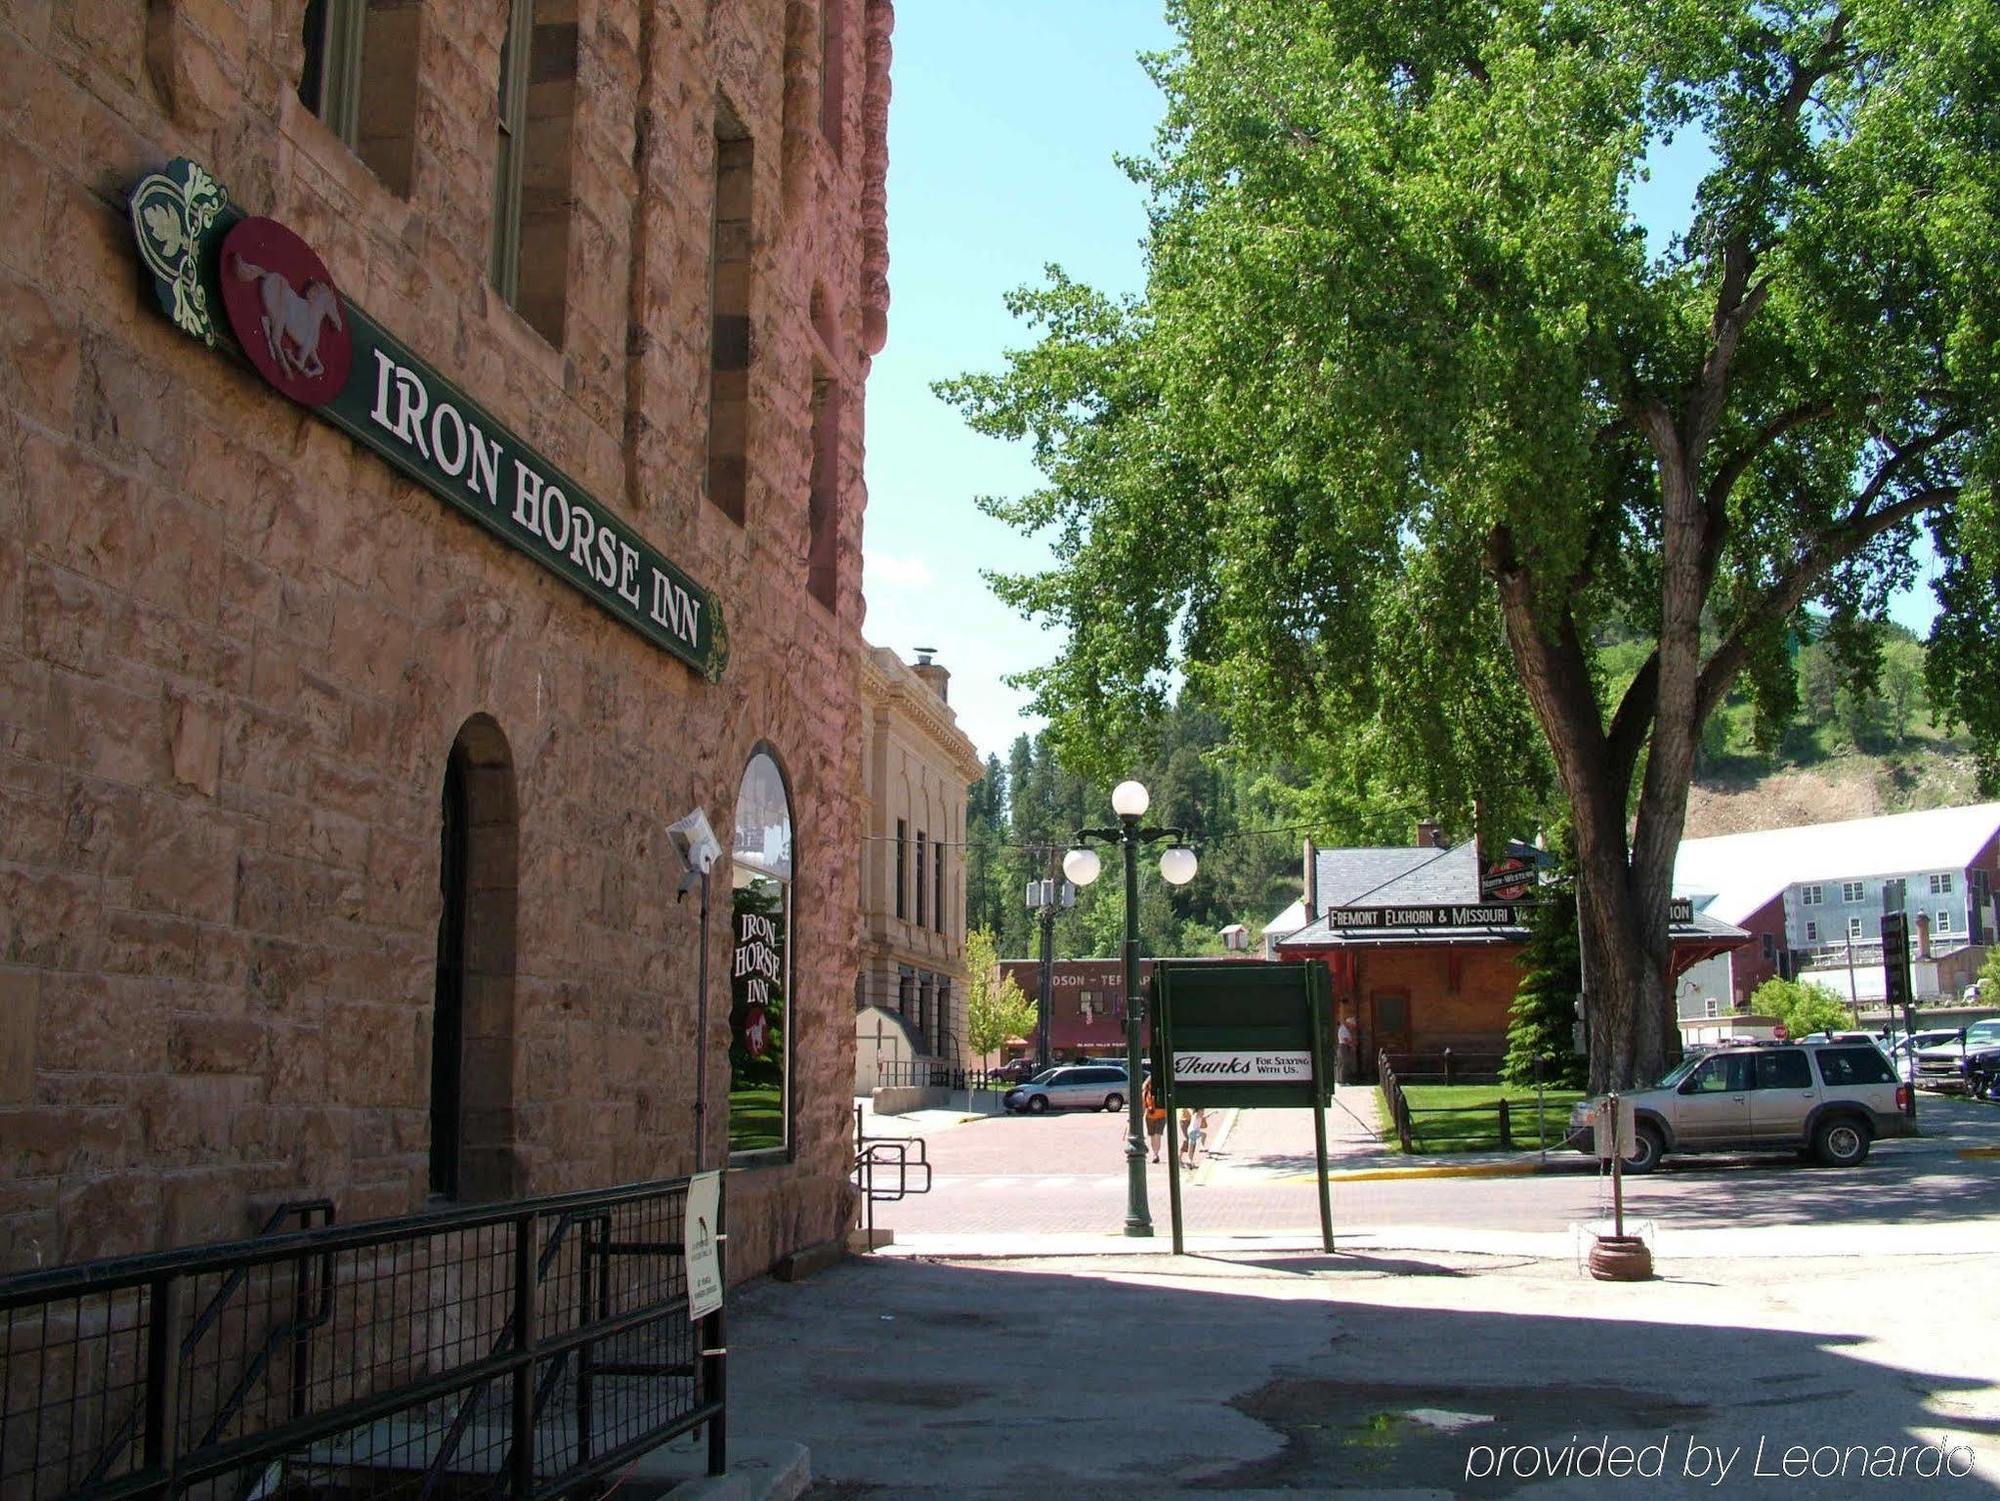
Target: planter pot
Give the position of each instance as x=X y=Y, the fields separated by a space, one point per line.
x=1621 y=1258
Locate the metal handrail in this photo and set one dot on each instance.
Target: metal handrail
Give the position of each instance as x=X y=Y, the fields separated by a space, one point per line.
x=135 y=1299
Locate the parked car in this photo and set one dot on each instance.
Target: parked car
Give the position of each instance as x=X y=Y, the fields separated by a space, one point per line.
x=1981 y=1072
x=1014 y=1070
x=1903 y=1050
x=1938 y=1066
x=1072 y=1086
x=1831 y=1099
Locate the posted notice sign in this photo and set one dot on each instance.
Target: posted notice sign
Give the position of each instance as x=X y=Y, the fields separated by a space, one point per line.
x=704 y=1265
x=1214 y=1066
x=1243 y=1032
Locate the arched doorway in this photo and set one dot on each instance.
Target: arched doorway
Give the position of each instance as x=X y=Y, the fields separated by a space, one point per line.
x=472 y=1027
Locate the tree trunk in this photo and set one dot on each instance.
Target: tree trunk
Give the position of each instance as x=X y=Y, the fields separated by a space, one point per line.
x=1622 y=907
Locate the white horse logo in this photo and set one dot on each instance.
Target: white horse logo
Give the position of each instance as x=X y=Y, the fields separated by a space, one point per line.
x=292 y=321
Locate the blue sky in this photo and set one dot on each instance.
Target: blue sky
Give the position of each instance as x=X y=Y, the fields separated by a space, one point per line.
x=1003 y=123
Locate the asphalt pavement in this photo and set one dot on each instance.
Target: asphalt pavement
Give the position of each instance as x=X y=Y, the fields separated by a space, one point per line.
x=1808 y=1334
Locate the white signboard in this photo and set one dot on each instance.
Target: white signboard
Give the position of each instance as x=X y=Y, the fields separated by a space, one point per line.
x=704 y=1266
x=1217 y=1067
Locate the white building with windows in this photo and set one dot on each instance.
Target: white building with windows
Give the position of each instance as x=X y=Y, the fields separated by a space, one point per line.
x=1825 y=884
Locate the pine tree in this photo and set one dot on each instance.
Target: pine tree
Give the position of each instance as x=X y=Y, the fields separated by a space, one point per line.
x=1543 y=1018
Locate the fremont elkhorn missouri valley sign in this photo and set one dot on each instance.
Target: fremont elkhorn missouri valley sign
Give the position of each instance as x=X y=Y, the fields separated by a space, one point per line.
x=218 y=273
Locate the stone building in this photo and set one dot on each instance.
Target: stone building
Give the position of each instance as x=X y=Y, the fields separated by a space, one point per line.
x=343 y=717
x=916 y=768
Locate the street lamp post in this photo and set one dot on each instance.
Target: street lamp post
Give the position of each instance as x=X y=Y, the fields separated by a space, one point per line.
x=1129 y=800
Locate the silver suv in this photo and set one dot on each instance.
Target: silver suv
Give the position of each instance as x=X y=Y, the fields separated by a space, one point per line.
x=1831 y=1099
x=1075 y=1086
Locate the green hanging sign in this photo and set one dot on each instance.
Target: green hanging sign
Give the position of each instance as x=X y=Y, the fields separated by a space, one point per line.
x=252 y=286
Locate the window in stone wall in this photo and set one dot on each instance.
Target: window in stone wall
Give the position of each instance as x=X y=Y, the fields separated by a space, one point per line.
x=360 y=77
x=902 y=868
x=823 y=493
x=937 y=884
x=920 y=878
x=730 y=352
x=760 y=1012
x=472 y=1023
x=528 y=260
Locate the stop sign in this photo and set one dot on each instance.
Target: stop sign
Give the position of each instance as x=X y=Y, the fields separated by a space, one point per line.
x=1779 y=1032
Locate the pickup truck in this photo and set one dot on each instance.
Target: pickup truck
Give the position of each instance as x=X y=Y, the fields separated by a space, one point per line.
x=1938 y=1066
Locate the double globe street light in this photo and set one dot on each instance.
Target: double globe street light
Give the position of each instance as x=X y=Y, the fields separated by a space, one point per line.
x=1129 y=800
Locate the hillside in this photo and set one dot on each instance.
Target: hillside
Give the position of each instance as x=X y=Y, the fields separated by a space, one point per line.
x=1854 y=785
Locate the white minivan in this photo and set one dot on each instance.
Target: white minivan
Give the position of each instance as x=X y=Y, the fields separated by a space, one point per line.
x=1072 y=1086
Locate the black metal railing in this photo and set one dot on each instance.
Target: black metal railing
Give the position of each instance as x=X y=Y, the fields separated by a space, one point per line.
x=886 y=1168
x=518 y=1350
x=937 y=1073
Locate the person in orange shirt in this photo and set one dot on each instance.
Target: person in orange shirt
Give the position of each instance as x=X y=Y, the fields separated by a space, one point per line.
x=1156 y=1119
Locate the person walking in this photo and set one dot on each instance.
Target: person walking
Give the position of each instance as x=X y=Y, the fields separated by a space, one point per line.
x=1156 y=1119
x=1194 y=1135
x=1345 y=1062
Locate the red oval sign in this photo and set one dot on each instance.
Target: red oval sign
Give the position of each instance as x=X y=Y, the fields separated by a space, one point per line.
x=286 y=311
x=1779 y=1033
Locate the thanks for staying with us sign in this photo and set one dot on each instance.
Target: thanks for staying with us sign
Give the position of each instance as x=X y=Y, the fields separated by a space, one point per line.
x=1243 y=1033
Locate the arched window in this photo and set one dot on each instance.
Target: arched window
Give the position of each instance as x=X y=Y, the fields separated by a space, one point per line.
x=760 y=1014
x=472 y=1027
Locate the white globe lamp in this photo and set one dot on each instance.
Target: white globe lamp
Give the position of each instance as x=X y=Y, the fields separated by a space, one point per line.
x=1082 y=866
x=1130 y=800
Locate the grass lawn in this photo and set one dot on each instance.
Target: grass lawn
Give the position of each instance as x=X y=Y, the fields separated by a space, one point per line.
x=1473 y=1124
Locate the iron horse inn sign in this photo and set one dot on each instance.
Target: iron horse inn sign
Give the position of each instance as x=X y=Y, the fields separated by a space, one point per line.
x=251 y=284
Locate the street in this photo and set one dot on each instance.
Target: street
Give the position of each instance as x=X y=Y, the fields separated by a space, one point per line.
x=1809 y=1333
x=1065 y=1173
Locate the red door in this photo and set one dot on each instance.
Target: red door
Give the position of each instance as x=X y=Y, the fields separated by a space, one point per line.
x=1389 y=1023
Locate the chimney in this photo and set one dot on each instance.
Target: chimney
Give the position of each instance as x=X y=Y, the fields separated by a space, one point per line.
x=933 y=675
x=1429 y=836
x=1311 y=882
x=1923 y=937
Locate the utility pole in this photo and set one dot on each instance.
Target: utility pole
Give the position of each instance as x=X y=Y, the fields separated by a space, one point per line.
x=1045 y=898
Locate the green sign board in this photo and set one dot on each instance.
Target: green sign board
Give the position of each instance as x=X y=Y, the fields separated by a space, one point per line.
x=1247 y=1034
x=251 y=286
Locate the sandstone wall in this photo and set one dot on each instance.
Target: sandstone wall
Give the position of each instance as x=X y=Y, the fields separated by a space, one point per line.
x=235 y=648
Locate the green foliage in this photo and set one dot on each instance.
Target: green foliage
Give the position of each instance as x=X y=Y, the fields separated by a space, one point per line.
x=995 y=1008
x=1989 y=976
x=1541 y=1023
x=1244 y=835
x=1411 y=416
x=1804 y=1006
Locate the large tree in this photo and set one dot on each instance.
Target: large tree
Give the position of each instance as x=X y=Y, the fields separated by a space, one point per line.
x=1411 y=412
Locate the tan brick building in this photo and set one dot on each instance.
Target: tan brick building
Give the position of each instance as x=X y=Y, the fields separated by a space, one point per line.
x=917 y=766
x=332 y=816
x=1419 y=961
